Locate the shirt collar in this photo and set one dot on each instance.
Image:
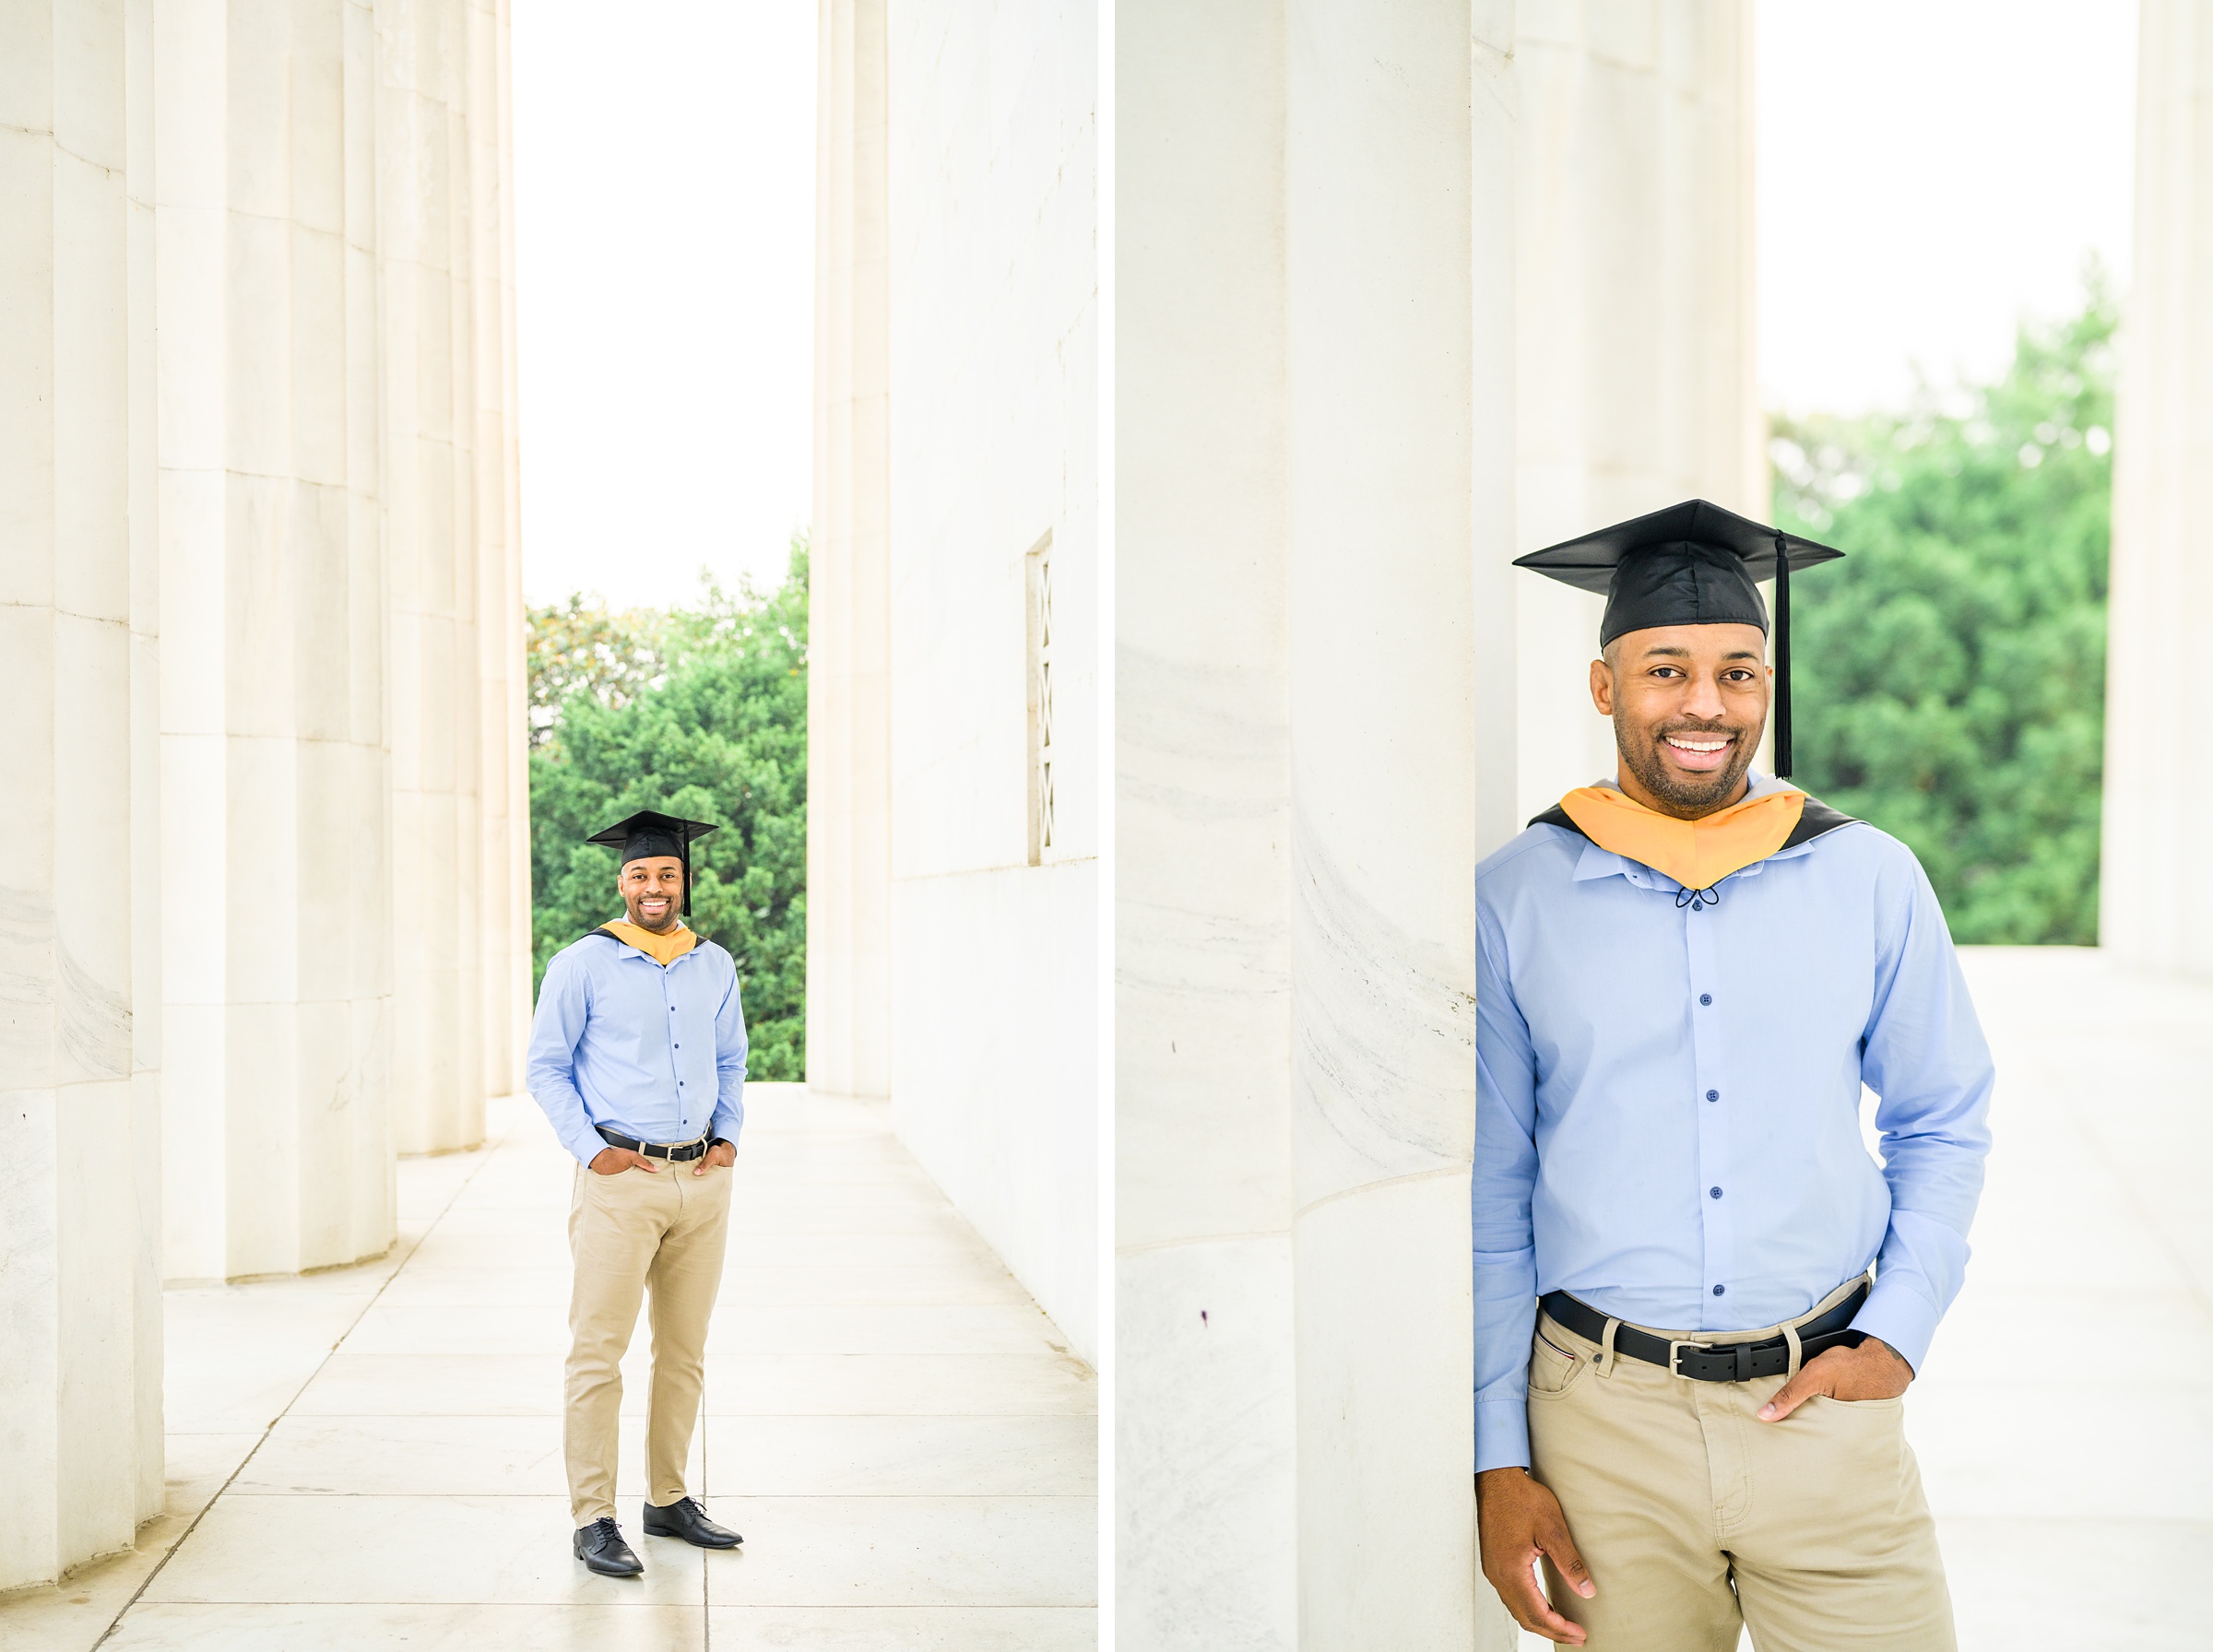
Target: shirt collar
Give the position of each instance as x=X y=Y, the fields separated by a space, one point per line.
x=1596 y=862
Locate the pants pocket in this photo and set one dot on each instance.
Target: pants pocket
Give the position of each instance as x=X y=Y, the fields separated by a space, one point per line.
x=1552 y=1370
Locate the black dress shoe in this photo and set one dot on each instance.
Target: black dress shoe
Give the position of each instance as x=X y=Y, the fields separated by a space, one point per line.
x=601 y=1547
x=685 y=1519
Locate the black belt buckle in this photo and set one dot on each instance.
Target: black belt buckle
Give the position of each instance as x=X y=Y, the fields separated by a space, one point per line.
x=1714 y=1362
x=680 y=1153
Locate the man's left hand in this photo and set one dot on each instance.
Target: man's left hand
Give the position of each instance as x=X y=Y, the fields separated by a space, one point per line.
x=1872 y=1371
x=722 y=1154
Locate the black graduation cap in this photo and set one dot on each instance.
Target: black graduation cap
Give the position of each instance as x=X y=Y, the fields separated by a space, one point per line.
x=1690 y=564
x=648 y=833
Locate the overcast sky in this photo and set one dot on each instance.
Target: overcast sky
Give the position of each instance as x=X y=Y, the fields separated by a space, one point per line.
x=664 y=160
x=1930 y=171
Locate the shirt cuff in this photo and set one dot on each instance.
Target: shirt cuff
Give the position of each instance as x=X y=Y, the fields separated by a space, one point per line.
x=1501 y=1434
x=1900 y=1316
x=584 y=1146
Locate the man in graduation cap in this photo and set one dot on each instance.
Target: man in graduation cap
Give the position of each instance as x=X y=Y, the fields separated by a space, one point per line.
x=1698 y=1298
x=637 y=1055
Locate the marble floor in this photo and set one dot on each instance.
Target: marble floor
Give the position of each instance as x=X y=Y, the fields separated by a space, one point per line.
x=369 y=1458
x=2064 y=1421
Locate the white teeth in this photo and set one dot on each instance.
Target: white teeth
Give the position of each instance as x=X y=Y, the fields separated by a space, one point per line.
x=1695 y=745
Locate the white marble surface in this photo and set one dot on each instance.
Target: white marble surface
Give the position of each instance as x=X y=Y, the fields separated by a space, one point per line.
x=1635 y=381
x=351 y=1468
x=443 y=255
x=1206 y=1455
x=79 y=1131
x=1314 y=338
x=277 y=938
x=849 y=665
x=2159 y=757
x=982 y=194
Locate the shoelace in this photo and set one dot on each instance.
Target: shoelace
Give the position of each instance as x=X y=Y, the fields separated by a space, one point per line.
x=605 y=1531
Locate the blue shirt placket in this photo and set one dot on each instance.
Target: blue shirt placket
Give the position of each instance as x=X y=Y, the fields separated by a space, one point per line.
x=1704 y=944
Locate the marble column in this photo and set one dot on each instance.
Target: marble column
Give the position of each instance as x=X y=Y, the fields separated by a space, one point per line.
x=277 y=922
x=431 y=371
x=1398 y=251
x=1314 y=482
x=848 y=673
x=1634 y=330
x=2159 y=742
x=1207 y=1550
x=502 y=680
x=80 y=1454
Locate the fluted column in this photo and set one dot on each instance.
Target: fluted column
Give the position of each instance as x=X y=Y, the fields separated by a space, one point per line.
x=503 y=685
x=275 y=767
x=848 y=673
x=2159 y=742
x=430 y=359
x=80 y=1447
x=1635 y=320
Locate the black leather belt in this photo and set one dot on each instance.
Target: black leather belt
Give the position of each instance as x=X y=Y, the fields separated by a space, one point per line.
x=1713 y=1361
x=680 y=1154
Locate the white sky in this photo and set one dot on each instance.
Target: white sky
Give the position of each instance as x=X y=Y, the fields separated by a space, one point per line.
x=664 y=161
x=1930 y=171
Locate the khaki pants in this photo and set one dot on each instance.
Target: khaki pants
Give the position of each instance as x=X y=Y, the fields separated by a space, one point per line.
x=1695 y=1516
x=637 y=1231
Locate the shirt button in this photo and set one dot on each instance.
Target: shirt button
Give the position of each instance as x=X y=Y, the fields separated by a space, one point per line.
x=1714 y=1192
x=1713 y=1096
x=1705 y=997
x=1720 y=1289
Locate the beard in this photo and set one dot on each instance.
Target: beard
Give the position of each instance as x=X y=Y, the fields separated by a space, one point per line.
x=1640 y=749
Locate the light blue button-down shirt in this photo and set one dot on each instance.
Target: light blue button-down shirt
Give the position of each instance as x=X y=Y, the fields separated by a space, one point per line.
x=1667 y=1098
x=653 y=1054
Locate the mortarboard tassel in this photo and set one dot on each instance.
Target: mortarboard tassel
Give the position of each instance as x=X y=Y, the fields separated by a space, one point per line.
x=1782 y=659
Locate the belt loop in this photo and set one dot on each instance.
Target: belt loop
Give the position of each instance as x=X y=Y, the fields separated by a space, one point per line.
x=1789 y=1335
x=1606 y=1347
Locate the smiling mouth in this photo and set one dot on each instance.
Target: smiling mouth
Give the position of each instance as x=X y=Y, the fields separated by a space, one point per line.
x=1702 y=751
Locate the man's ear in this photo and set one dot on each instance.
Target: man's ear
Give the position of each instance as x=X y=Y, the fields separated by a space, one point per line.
x=1602 y=687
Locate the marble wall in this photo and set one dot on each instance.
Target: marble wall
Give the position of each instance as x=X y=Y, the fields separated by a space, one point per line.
x=2159 y=755
x=275 y=763
x=1635 y=369
x=990 y=465
x=80 y=1452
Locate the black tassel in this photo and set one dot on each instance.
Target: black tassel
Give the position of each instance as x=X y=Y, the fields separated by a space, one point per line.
x=1782 y=659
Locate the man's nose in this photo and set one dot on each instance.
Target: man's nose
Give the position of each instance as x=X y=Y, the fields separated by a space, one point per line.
x=1705 y=699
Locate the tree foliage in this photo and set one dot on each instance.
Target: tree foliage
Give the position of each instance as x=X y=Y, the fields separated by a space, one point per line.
x=1950 y=671
x=706 y=718
x=582 y=646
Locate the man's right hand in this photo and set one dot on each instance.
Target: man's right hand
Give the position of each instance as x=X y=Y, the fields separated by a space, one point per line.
x=614 y=1161
x=1519 y=1520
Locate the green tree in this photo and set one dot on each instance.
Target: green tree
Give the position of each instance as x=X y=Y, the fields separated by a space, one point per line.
x=716 y=731
x=1950 y=671
x=582 y=646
